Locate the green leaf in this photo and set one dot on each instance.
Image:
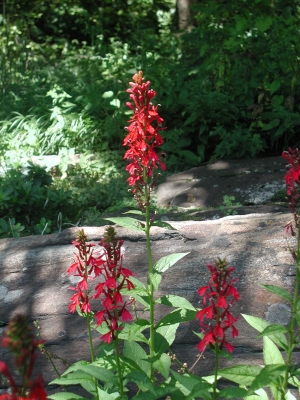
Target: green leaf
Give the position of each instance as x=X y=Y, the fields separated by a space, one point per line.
x=115 y=102
x=127 y=222
x=177 y=316
x=163 y=365
x=107 y=94
x=175 y=301
x=108 y=396
x=140 y=293
x=272 y=329
x=289 y=396
x=101 y=374
x=279 y=291
x=168 y=332
x=166 y=262
x=275 y=392
x=260 y=324
x=267 y=375
x=142 y=380
x=160 y=344
x=263 y=23
x=136 y=353
x=134 y=330
x=275 y=85
x=137 y=212
x=241 y=374
x=233 y=392
x=187 y=383
x=163 y=224
x=65 y=396
x=260 y=394
x=271 y=353
x=155 y=279
x=74 y=378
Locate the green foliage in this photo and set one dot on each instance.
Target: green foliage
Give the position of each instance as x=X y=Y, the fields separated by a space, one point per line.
x=29 y=197
x=229 y=205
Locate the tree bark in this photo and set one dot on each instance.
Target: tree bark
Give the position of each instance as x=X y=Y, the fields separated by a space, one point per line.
x=185 y=20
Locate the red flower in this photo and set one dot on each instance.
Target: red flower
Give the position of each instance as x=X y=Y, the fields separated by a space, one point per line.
x=292 y=178
x=143 y=137
x=220 y=287
x=87 y=266
x=115 y=279
x=19 y=339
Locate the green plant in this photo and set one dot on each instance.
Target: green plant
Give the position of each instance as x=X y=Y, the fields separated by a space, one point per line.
x=10 y=228
x=229 y=205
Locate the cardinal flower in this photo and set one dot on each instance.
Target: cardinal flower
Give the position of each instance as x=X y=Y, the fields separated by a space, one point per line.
x=114 y=307
x=218 y=297
x=142 y=139
x=20 y=341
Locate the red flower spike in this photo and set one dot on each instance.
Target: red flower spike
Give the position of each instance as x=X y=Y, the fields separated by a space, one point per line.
x=19 y=339
x=142 y=137
x=220 y=294
x=292 y=180
x=115 y=279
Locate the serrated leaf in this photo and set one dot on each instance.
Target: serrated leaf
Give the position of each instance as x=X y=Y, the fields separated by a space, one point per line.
x=175 y=301
x=163 y=365
x=163 y=224
x=177 y=316
x=127 y=222
x=267 y=375
x=272 y=329
x=279 y=291
x=166 y=262
x=260 y=324
x=271 y=353
x=241 y=374
x=136 y=353
x=65 y=396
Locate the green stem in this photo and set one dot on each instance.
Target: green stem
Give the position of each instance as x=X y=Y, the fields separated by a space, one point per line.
x=119 y=366
x=92 y=349
x=291 y=332
x=215 y=395
x=151 y=289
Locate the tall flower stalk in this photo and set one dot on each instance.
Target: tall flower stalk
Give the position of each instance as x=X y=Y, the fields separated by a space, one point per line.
x=292 y=179
x=142 y=140
x=105 y=265
x=215 y=317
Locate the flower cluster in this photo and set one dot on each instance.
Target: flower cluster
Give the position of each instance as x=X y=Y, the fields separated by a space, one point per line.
x=292 y=178
x=116 y=277
x=19 y=339
x=87 y=267
x=105 y=264
x=143 y=136
x=216 y=304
